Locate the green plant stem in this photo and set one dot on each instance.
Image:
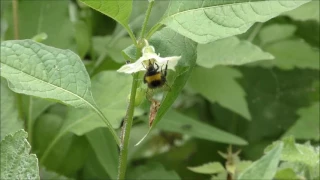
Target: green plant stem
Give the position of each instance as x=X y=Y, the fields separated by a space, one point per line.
x=125 y=137
x=29 y=120
x=134 y=40
x=126 y=130
x=146 y=19
x=15 y=18
x=255 y=32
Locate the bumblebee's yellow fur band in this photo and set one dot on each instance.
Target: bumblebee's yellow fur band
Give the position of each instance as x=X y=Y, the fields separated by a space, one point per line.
x=155 y=77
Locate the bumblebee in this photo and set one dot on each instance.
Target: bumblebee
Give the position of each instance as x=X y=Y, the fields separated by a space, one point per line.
x=153 y=77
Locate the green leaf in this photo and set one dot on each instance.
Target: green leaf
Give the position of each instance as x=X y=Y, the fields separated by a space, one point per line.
x=82 y=37
x=170 y=43
x=308 y=11
x=209 y=168
x=106 y=150
x=294 y=53
x=16 y=162
x=36 y=107
x=10 y=121
x=294 y=152
x=176 y=122
x=219 y=85
x=67 y=155
x=276 y=32
x=35 y=69
x=207 y=21
x=111 y=89
x=265 y=167
x=152 y=171
x=229 y=51
x=45 y=174
x=307 y=126
x=116 y=9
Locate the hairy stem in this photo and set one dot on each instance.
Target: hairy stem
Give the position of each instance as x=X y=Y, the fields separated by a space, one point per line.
x=146 y=19
x=130 y=111
x=126 y=130
x=15 y=18
x=29 y=120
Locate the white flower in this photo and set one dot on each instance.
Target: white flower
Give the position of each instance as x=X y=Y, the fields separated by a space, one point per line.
x=148 y=53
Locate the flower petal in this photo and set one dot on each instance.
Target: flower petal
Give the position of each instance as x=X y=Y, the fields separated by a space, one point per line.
x=131 y=68
x=172 y=61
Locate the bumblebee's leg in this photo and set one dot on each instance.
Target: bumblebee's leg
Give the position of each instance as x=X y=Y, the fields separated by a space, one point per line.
x=165 y=70
x=157 y=68
x=143 y=65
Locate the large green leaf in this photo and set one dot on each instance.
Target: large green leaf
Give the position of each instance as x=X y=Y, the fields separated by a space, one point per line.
x=264 y=168
x=219 y=85
x=111 y=89
x=116 y=9
x=35 y=69
x=229 y=51
x=176 y=122
x=308 y=11
x=10 y=121
x=307 y=126
x=205 y=21
x=106 y=150
x=16 y=162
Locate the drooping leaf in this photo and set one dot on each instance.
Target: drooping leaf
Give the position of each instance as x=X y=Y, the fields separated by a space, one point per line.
x=116 y=9
x=229 y=51
x=308 y=11
x=10 y=121
x=16 y=162
x=176 y=122
x=110 y=89
x=307 y=126
x=35 y=69
x=207 y=21
x=219 y=85
x=209 y=168
x=105 y=149
x=265 y=167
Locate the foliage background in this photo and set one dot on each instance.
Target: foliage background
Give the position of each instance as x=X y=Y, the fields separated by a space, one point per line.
x=257 y=103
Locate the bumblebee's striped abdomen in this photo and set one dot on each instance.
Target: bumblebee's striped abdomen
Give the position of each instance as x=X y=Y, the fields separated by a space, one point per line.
x=154 y=81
